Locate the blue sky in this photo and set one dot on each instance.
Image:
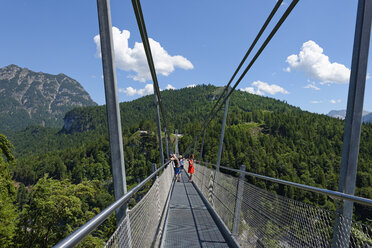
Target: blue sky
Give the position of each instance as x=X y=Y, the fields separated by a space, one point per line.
x=196 y=42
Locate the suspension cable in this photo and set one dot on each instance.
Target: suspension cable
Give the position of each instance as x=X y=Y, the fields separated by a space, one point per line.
x=263 y=46
x=269 y=18
x=142 y=28
x=141 y=25
x=271 y=35
x=188 y=150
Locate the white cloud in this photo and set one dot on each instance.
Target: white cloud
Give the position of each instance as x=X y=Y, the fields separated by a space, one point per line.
x=316 y=64
x=191 y=86
x=335 y=101
x=149 y=89
x=170 y=87
x=271 y=89
x=312 y=86
x=252 y=91
x=262 y=88
x=134 y=59
x=130 y=91
x=316 y=102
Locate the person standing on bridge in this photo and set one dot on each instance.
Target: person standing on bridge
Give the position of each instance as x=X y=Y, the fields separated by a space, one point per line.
x=181 y=162
x=177 y=168
x=191 y=167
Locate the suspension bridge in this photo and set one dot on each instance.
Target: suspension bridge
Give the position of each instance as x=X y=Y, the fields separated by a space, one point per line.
x=220 y=207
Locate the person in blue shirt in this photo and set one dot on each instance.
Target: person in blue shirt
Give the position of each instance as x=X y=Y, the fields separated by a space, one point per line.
x=181 y=162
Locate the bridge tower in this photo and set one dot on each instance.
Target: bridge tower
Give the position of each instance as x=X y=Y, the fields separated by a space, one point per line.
x=176 y=145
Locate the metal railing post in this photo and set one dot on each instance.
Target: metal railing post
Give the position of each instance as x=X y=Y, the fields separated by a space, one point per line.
x=153 y=170
x=202 y=145
x=222 y=136
x=170 y=144
x=353 y=122
x=203 y=176
x=156 y=181
x=210 y=190
x=221 y=144
x=238 y=203
x=112 y=104
x=176 y=145
x=159 y=130
x=166 y=143
x=196 y=137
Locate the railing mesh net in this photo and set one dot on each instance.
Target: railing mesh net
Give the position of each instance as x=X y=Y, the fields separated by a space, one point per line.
x=270 y=220
x=265 y=218
x=143 y=224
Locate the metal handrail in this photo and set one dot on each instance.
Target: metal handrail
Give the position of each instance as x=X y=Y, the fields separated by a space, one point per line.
x=331 y=193
x=77 y=236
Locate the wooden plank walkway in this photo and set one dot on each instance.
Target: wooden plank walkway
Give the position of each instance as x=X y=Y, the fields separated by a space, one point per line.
x=189 y=223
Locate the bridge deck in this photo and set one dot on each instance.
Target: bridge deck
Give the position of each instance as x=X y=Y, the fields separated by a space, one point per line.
x=189 y=223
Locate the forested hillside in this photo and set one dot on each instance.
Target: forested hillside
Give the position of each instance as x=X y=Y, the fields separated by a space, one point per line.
x=270 y=137
x=188 y=105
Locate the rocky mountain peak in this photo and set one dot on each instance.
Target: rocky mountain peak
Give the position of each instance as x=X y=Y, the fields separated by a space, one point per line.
x=37 y=97
x=341 y=114
x=8 y=72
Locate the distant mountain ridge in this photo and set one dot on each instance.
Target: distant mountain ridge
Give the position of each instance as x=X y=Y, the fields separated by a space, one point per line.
x=29 y=98
x=341 y=114
x=367 y=118
x=185 y=105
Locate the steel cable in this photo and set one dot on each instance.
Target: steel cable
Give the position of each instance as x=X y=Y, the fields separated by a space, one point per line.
x=268 y=19
x=212 y=114
x=141 y=25
x=145 y=40
x=263 y=46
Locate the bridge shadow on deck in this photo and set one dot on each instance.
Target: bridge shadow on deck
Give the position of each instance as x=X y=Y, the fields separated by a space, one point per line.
x=189 y=223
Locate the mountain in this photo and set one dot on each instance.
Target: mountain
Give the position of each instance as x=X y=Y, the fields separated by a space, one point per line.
x=184 y=106
x=36 y=98
x=341 y=114
x=268 y=136
x=367 y=118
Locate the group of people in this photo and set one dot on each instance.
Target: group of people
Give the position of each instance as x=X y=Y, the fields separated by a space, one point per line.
x=178 y=166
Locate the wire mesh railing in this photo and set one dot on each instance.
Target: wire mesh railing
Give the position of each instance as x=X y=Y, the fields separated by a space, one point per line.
x=266 y=219
x=143 y=225
x=254 y=216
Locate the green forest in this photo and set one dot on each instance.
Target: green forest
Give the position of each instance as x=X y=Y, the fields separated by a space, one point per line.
x=42 y=166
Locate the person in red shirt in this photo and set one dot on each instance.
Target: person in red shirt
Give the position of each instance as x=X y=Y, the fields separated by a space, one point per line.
x=191 y=167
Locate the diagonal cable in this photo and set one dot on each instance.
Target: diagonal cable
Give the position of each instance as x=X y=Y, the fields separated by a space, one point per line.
x=269 y=18
x=141 y=25
x=145 y=40
x=271 y=35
